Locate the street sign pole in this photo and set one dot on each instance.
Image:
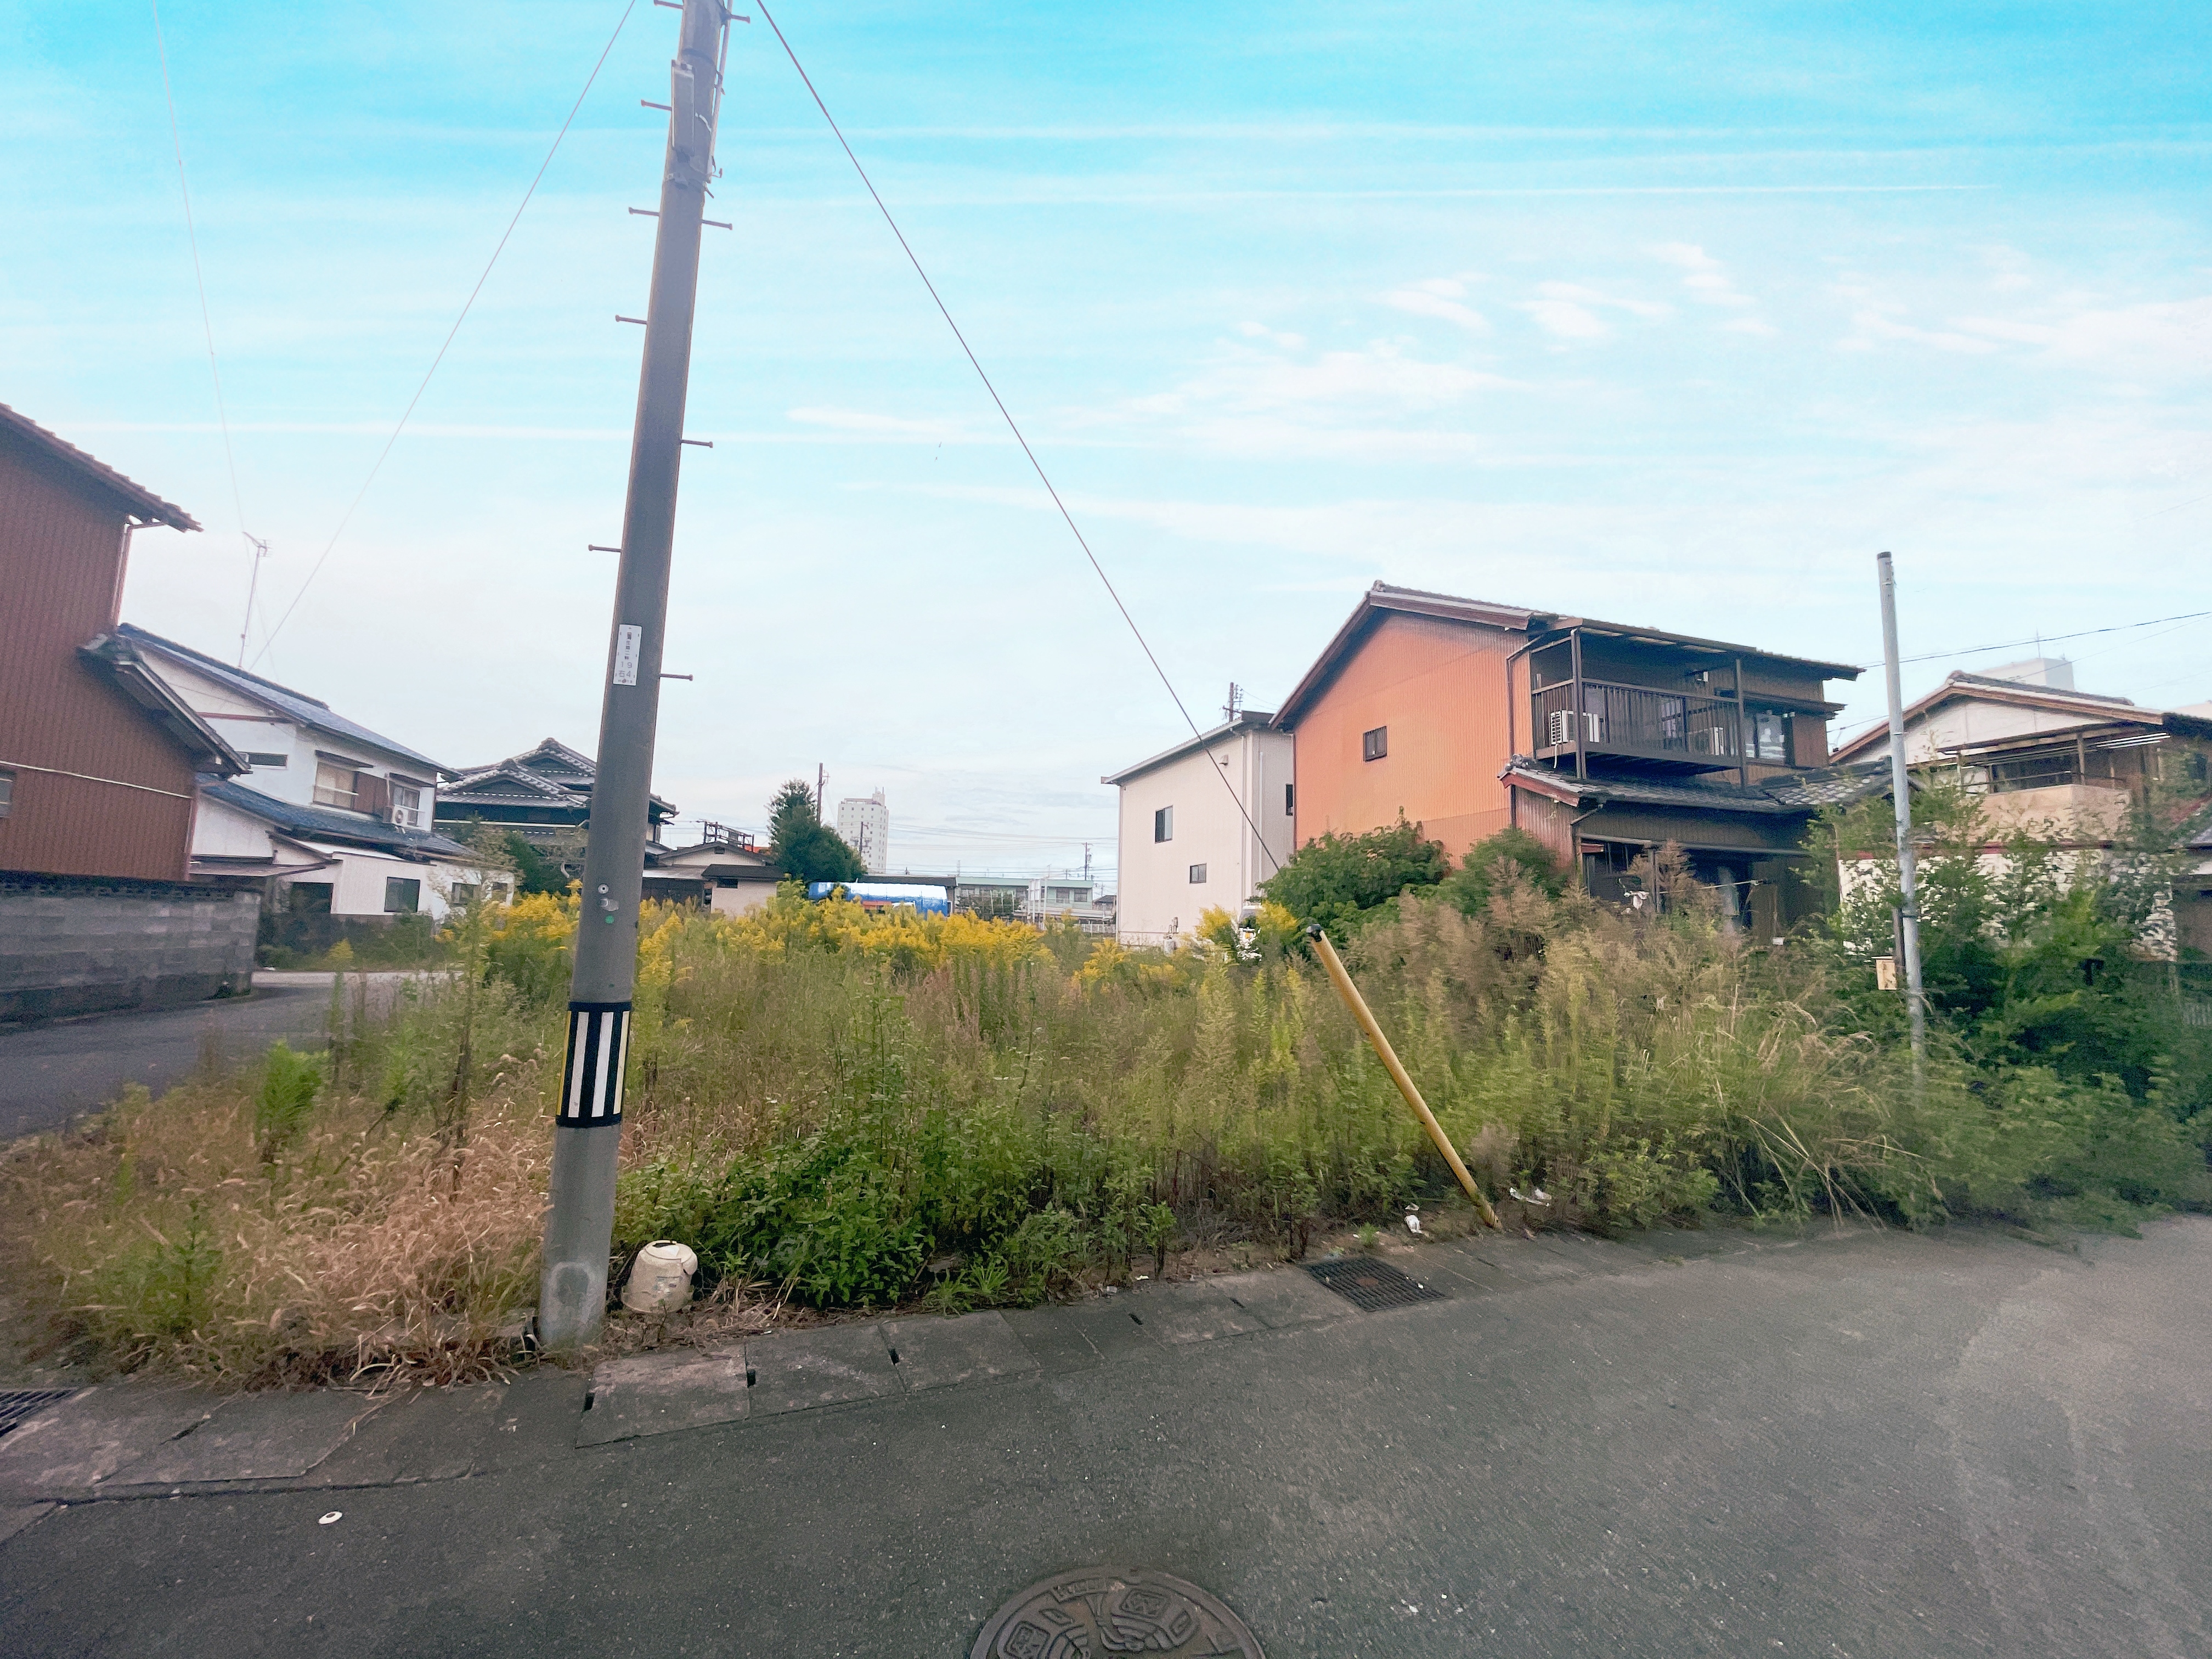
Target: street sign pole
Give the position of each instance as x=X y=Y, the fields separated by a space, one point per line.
x=588 y=1127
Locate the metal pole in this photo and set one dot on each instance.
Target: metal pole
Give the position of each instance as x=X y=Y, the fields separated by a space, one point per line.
x=587 y=1129
x=1908 y=881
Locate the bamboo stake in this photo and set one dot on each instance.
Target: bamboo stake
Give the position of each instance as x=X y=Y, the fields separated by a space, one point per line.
x=1389 y=1056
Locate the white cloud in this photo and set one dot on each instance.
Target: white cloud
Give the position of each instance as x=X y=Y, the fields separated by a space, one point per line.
x=1869 y=327
x=2172 y=336
x=1442 y=297
x=1569 y=311
x=1706 y=278
x=881 y=426
x=1262 y=331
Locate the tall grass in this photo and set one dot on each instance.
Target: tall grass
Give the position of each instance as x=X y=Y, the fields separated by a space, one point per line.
x=859 y=1111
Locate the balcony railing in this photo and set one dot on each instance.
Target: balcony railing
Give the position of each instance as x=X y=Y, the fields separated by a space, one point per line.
x=1636 y=721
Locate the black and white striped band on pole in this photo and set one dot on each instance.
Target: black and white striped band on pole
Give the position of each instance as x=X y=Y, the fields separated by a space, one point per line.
x=591 y=1081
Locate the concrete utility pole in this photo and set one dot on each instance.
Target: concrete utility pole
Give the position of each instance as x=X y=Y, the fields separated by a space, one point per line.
x=587 y=1129
x=1908 y=881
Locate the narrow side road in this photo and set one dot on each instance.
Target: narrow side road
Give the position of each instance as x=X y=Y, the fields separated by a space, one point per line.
x=1869 y=1446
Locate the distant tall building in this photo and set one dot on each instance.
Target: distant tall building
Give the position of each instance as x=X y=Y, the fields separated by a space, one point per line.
x=866 y=824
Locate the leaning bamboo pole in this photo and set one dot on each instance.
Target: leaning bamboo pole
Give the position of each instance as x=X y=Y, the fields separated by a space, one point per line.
x=1389 y=1056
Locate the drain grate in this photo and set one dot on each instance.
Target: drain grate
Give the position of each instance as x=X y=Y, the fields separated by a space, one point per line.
x=1369 y=1284
x=18 y=1404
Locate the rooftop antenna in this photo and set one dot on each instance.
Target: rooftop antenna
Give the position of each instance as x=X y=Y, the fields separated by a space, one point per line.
x=252 y=586
x=1234 y=705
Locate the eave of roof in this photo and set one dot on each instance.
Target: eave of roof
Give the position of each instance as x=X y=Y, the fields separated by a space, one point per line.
x=1382 y=598
x=117 y=662
x=311 y=712
x=1786 y=794
x=1248 y=719
x=142 y=502
x=1958 y=685
x=328 y=823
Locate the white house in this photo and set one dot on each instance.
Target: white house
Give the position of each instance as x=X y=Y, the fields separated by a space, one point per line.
x=1203 y=824
x=336 y=816
x=2049 y=758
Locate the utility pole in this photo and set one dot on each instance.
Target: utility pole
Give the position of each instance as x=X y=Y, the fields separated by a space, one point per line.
x=1908 y=881
x=587 y=1129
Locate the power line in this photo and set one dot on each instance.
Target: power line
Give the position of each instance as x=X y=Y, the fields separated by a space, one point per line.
x=408 y=411
x=2048 y=639
x=199 y=279
x=1013 y=426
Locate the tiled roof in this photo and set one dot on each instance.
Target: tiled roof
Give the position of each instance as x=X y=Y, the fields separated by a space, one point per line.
x=1792 y=792
x=310 y=711
x=328 y=822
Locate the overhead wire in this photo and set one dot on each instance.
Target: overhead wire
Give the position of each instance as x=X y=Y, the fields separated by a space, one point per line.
x=1013 y=426
x=199 y=277
x=482 y=278
x=2045 y=639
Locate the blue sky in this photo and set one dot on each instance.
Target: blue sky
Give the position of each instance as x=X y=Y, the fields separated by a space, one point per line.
x=1668 y=314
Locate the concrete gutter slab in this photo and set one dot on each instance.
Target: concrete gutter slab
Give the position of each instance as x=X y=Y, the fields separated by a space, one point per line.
x=936 y=1353
x=820 y=1368
x=662 y=1393
x=1284 y=1296
x=1083 y=1333
x=82 y=1440
x=256 y=1437
x=1193 y=1313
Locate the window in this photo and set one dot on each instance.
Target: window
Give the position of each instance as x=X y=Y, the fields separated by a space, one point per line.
x=463 y=894
x=1290 y=799
x=309 y=898
x=403 y=895
x=1373 y=746
x=406 y=806
x=1770 y=736
x=1163 y=825
x=1197 y=875
x=7 y=792
x=261 y=762
x=336 y=786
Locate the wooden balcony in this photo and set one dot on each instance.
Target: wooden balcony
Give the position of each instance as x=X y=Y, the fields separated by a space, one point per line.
x=1634 y=722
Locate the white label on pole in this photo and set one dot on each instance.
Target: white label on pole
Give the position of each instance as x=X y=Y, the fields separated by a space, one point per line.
x=627 y=636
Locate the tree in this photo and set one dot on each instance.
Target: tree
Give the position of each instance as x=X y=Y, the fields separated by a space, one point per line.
x=1336 y=880
x=801 y=845
x=1509 y=856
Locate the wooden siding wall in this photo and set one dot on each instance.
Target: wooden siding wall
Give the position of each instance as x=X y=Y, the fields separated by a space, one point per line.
x=1440 y=688
x=61 y=570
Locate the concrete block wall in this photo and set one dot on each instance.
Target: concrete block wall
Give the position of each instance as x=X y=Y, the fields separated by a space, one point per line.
x=82 y=944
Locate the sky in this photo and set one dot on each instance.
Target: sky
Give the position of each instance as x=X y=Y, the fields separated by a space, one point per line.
x=1669 y=315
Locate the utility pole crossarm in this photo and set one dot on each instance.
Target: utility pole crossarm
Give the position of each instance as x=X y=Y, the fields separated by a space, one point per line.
x=587 y=1132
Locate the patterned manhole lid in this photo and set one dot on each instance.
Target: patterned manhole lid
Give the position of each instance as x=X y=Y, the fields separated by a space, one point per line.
x=1095 y=1611
x=1372 y=1285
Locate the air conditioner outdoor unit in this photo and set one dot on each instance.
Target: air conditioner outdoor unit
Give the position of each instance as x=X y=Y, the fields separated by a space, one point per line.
x=1560 y=727
x=403 y=817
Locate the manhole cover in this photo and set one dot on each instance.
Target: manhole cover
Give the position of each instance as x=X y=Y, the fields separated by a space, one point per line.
x=17 y=1404
x=1102 y=1610
x=1368 y=1283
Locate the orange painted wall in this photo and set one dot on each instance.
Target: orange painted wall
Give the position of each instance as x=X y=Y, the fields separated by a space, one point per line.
x=1440 y=688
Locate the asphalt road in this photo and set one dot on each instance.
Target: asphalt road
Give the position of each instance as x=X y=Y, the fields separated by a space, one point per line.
x=50 y=1074
x=1880 y=1445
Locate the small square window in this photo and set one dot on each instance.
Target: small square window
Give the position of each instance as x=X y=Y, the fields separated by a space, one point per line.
x=1163 y=825
x=403 y=895
x=7 y=792
x=1373 y=746
x=1197 y=875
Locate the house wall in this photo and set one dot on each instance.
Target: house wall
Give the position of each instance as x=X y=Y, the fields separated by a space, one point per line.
x=1440 y=688
x=739 y=897
x=128 y=812
x=79 y=945
x=357 y=878
x=1157 y=900
x=1968 y=719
